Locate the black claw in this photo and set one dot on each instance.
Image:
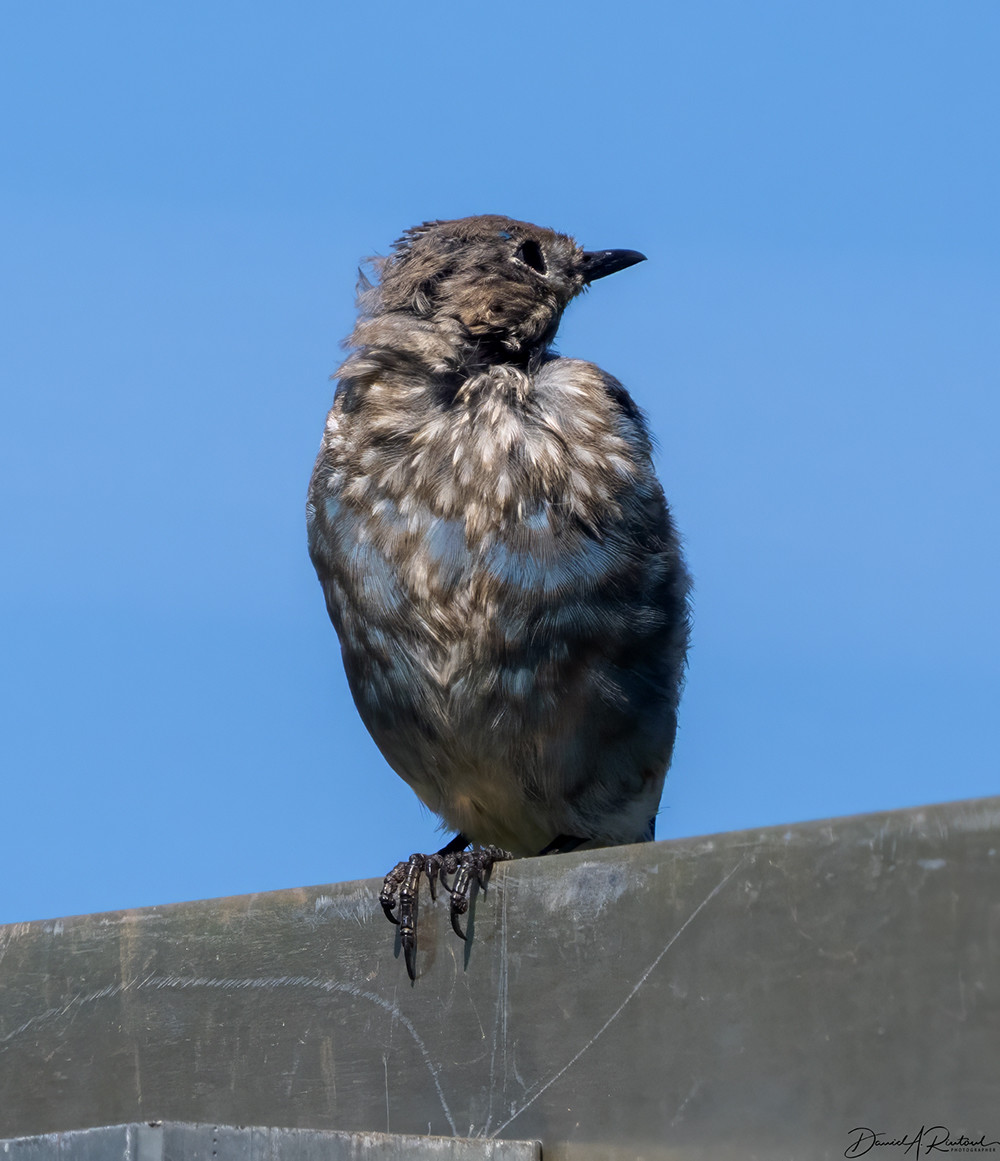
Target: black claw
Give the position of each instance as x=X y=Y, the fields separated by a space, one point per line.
x=433 y=870
x=410 y=956
x=455 y=913
x=443 y=871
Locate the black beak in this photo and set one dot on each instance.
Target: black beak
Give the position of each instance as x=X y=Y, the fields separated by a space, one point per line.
x=600 y=263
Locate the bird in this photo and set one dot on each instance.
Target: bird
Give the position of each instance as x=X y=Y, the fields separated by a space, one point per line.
x=497 y=555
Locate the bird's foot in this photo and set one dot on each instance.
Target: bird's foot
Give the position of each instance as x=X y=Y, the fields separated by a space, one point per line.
x=404 y=881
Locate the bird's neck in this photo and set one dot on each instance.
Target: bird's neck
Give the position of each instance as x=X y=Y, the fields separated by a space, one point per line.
x=435 y=347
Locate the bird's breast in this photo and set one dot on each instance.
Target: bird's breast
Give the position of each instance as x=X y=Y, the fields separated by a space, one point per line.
x=497 y=527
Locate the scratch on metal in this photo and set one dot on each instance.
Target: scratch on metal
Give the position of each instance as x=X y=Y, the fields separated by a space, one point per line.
x=628 y=999
x=238 y=984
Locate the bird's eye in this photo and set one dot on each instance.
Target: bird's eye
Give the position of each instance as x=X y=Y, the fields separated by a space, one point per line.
x=530 y=253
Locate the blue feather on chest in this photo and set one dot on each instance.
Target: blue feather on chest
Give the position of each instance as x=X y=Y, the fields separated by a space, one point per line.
x=389 y=556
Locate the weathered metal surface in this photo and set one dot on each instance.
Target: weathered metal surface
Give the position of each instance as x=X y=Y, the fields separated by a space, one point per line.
x=175 y=1142
x=758 y=994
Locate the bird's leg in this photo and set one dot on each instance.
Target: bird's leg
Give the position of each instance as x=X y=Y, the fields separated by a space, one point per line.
x=404 y=881
x=400 y=889
x=454 y=846
x=562 y=845
x=464 y=866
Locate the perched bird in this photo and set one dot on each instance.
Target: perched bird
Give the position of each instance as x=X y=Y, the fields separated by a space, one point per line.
x=496 y=553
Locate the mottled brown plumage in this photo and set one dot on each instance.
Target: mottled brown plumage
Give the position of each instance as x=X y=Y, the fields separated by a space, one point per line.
x=494 y=547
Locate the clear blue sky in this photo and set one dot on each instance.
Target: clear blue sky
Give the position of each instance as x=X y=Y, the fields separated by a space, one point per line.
x=187 y=191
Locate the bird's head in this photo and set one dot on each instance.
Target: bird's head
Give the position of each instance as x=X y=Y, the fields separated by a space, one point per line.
x=505 y=283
